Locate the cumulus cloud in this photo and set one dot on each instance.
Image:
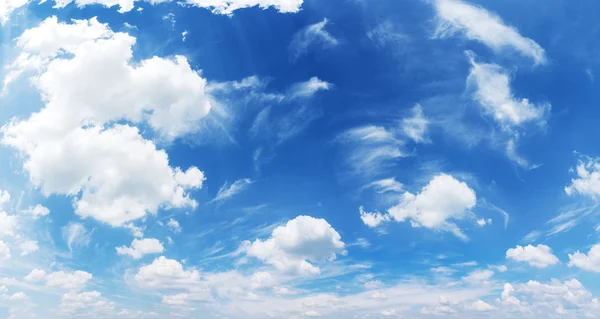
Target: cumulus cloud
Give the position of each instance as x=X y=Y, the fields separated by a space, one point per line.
x=4 y=197
x=4 y=251
x=7 y=7
x=587 y=181
x=164 y=273
x=309 y=36
x=69 y=147
x=141 y=247
x=589 y=261
x=491 y=89
x=439 y=202
x=174 y=225
x=480 y=305
x=372 y=219
x=75 y=280
x=29 y=246
x=539 y=256
x=8 y=224
x=295 y=247
x=476 y=23
x=35 y=275
x=37 y=211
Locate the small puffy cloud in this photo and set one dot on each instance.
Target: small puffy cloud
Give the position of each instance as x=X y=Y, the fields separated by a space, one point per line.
x=589 y=261
x=4 y=197
x=228 y=191
x=76 y=280
x=262 y=280
x=37 y=211
x=308 y=88
x=35 y=275
x=476 y=23
x=28 y=247
x=309 y=36
x=479 y=276
x=294 y=248
x=443 y=199
x=174 y=225
x=312 y=314
x=372 y=219
x=141 y=247
x=482 y=222
x=4 y=251
x=539 y=256
x=587 y=181
x=18 y=296
x=8 y=224
x=481 y=305
x=491 y=89
x=415 y=126
x=165 y=273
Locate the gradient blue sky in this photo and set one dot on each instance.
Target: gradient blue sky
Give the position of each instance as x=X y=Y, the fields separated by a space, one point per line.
x=299 y=158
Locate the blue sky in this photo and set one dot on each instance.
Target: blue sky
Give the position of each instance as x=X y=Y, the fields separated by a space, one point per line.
x=299 y=159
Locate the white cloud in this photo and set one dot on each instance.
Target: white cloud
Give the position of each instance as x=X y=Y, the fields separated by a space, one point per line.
x=85 y=304
x=589 y=262
x=372 y=219
x=443 y=199
x=479 y=276
x=491 y=85
x=165 y=273
x=35 y=275
x=308 y=88
x=174 y=225
x=4 y=251
x=482 y=222
x=7 y=7
x=76 y=280
x=476 y=23
x=8 y=224
x=372 y=149
x=588 y=178
x=141 y=247
x=4 y=197
x=309 y=36
x=226 y=7
x=415 y=127
x=481 y=305
x=539 y=256
x=28 y=247
x=76 y=235
x=77 y=112
x=18 y=296
x=262 y=280
x=226 y=192
x=294 y=248
x=385 y=185
x=37 y=211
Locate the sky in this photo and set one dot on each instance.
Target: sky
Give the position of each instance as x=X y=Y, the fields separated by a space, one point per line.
x=250 y=159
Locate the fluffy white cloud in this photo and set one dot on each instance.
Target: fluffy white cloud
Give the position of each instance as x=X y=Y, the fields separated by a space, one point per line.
x=7 y=7
x=491 y=88
x=309 y=36
x=262 y=280
x=18 y=296
x=539 y=256
x=372 y=219
x=4 y=251
x=86 y=304
x=589 y=262
x=443 y=199
x=141 y=247
x=481 y=305
x=8 y=224
x=588 y=178
x=482 y=222
x=479 y=276
x=228 y=191
x=29 y=246
x=294 y=248
x=75 y=280
x=226 y=7
x=174 y=225
x=68 y=146
x=165 y=273
x=476 y=23
x=4 y=197
x=415 y=127
x=37 y=211
x=35 y=275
